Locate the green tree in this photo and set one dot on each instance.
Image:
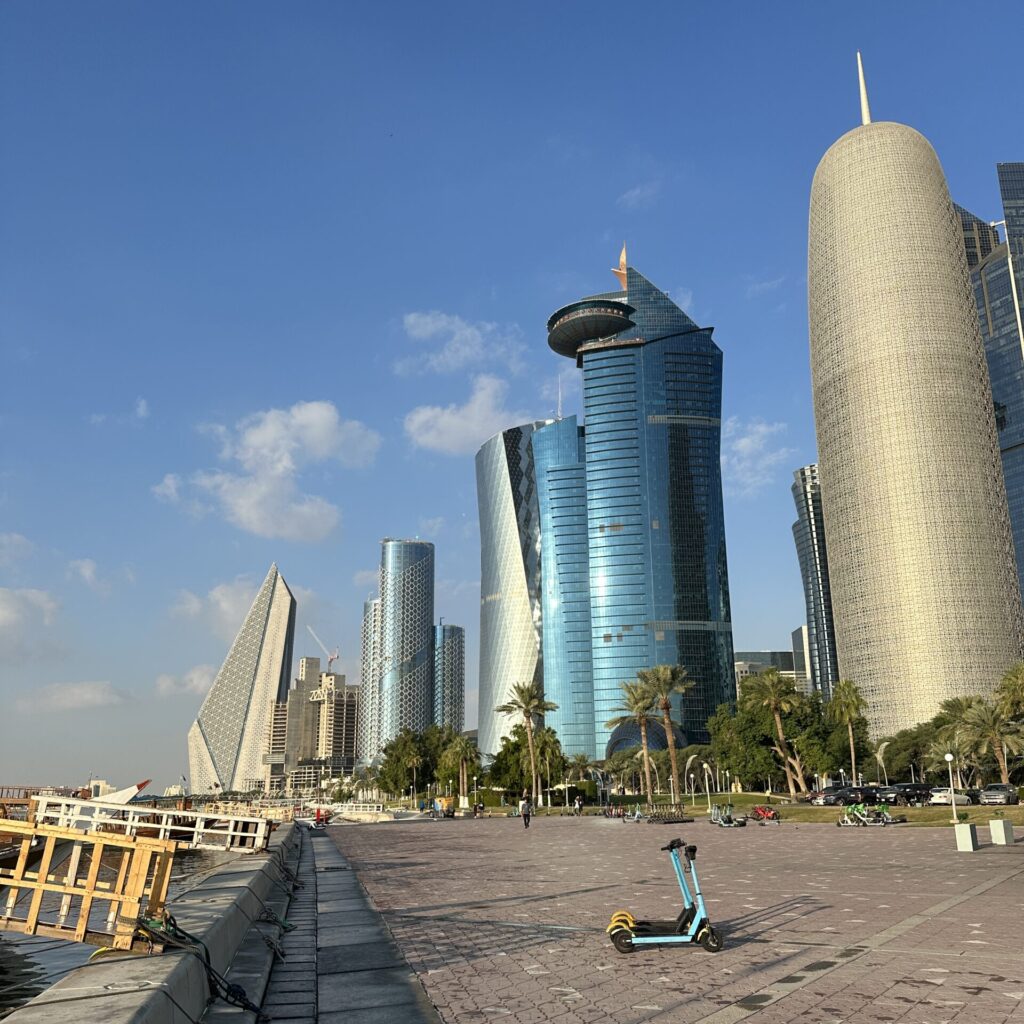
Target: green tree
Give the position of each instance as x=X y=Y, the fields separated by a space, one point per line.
x=528 y=703
x=846 y=707
x=580 y=764
x=635 y=705
x=549 y=754
x=1010 y=692
x=662 y=682
x=988 y=731
x=456 y=759
x=393 y=771
x=509 y=770
x=768 y=689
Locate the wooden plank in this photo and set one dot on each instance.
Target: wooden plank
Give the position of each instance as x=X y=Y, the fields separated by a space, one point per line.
x=37 y=895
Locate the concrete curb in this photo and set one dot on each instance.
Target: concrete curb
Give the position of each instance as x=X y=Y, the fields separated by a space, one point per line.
x=173 y=988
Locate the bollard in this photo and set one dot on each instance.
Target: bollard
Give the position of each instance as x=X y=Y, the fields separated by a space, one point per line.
x=966 y=837
x=1001 y=831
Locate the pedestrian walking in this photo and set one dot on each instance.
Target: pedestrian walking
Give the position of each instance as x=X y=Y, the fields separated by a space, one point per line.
x=525 y=810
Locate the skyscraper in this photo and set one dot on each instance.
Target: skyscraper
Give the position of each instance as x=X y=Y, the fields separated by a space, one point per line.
x=656 y=561
x=809 y=535
x=368 y=743
x=229 y=738
x=559 y=456
x=510 y=573
x=923 y=576
x=450 y=677
x=406 y=688
x=994 y=265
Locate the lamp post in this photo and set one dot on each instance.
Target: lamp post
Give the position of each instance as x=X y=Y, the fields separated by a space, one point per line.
x=952 y=797
x=707 y=783
x=693 y=792
x=728 y=780
x=474 y=790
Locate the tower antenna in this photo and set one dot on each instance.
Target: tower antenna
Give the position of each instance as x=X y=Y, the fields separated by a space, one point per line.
x=865 y=110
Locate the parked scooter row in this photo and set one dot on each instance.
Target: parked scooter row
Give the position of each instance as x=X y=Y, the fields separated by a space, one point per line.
x=860 y=816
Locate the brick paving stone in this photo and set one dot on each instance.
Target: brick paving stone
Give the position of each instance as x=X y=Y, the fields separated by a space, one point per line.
x=820 y=924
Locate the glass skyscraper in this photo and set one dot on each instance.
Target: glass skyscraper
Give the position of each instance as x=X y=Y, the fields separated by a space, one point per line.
x=559 y=458
x=655 y=551
x=999 y=317
x=510 y=574
x=406 y=689
x=450 y=676
x=809 y=535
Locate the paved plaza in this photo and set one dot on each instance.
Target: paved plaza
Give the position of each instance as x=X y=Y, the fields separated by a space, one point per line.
x=820 y=924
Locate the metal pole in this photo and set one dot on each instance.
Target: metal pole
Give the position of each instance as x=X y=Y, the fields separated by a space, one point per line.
x=952 y=795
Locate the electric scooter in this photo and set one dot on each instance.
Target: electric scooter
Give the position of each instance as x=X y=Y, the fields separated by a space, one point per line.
x=692 y=925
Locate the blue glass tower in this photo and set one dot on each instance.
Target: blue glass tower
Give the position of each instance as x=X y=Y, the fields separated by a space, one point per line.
x=559 y=460
x=656 y=557
x=997 y=279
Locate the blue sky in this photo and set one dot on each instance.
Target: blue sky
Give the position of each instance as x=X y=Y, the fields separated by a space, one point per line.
x=269 y=274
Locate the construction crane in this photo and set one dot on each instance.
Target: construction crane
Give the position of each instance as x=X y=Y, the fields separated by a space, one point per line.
x=331 y=658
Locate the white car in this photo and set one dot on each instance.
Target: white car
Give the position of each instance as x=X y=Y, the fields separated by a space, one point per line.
x=940 y=795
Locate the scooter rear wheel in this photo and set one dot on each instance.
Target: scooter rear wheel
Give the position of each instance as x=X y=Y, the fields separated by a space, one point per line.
x=622 y=940
x=711 y=940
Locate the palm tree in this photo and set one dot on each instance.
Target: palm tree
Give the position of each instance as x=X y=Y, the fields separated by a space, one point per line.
x=845 y=708
x=769 y=690
x=1010 y=691
x=580 y=764
x=414 y=762
x=662 y=681
x=987 y=730
x=636 y=706
x=458 y=755
x=529 y=703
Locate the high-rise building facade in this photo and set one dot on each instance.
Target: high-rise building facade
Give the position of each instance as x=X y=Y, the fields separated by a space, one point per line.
x=368 y=744
x=656 y=556
x=822 y=669
x=406 y=689
x=559 y=457
x=997 y=279
x=228 y=741
x=922 y=569
x=801 y=661
x=510 y=574
x=450 y=677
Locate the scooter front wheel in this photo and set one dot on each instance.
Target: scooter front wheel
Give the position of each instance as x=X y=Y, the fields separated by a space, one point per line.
x=711 y=940
x=622 y=940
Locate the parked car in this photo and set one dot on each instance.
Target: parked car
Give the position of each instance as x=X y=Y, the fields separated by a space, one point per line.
x=941 y=795
x=998 y=793
x=821 y=797
x=905 y=793
x=867 y=795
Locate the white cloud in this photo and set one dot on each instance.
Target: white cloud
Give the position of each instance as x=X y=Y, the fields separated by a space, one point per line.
x=223 y=609
x=71 y=697
x=86 y=571
x=169 y=489
x=141 y=409
x=366 y=578
x=452 y=589
x=756 y=288
x=97 y=418
x=749 y=458
x=271 y=448
x=683 y=297
x=12 y=547
x=431 y=527
x=25 y=620
x=640 y=196
x=196 y=680
x=461 y=429
x=463 y=343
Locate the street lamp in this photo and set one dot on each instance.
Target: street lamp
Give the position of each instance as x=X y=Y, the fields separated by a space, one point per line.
x=474 y=790
x=707 y=783
x=949 y=764
x=728 y=780
x=693 y=791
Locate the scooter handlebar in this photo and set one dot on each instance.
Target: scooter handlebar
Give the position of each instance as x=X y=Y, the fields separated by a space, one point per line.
x=674 y=845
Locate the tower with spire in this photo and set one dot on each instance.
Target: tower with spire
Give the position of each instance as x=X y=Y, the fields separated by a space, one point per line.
x=923 y=575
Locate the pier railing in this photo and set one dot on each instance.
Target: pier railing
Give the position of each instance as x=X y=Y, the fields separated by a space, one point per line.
x=196 y=830
x=48 y=890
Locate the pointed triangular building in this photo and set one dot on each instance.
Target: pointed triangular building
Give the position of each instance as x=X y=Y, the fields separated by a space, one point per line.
x=228 y=739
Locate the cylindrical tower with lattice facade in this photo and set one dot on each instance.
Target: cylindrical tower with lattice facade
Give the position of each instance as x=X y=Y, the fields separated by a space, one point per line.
x=924 y=582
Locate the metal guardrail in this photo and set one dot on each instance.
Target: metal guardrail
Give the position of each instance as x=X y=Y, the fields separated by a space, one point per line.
x=135 y=870
x=195 y=830
x=360 y=808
